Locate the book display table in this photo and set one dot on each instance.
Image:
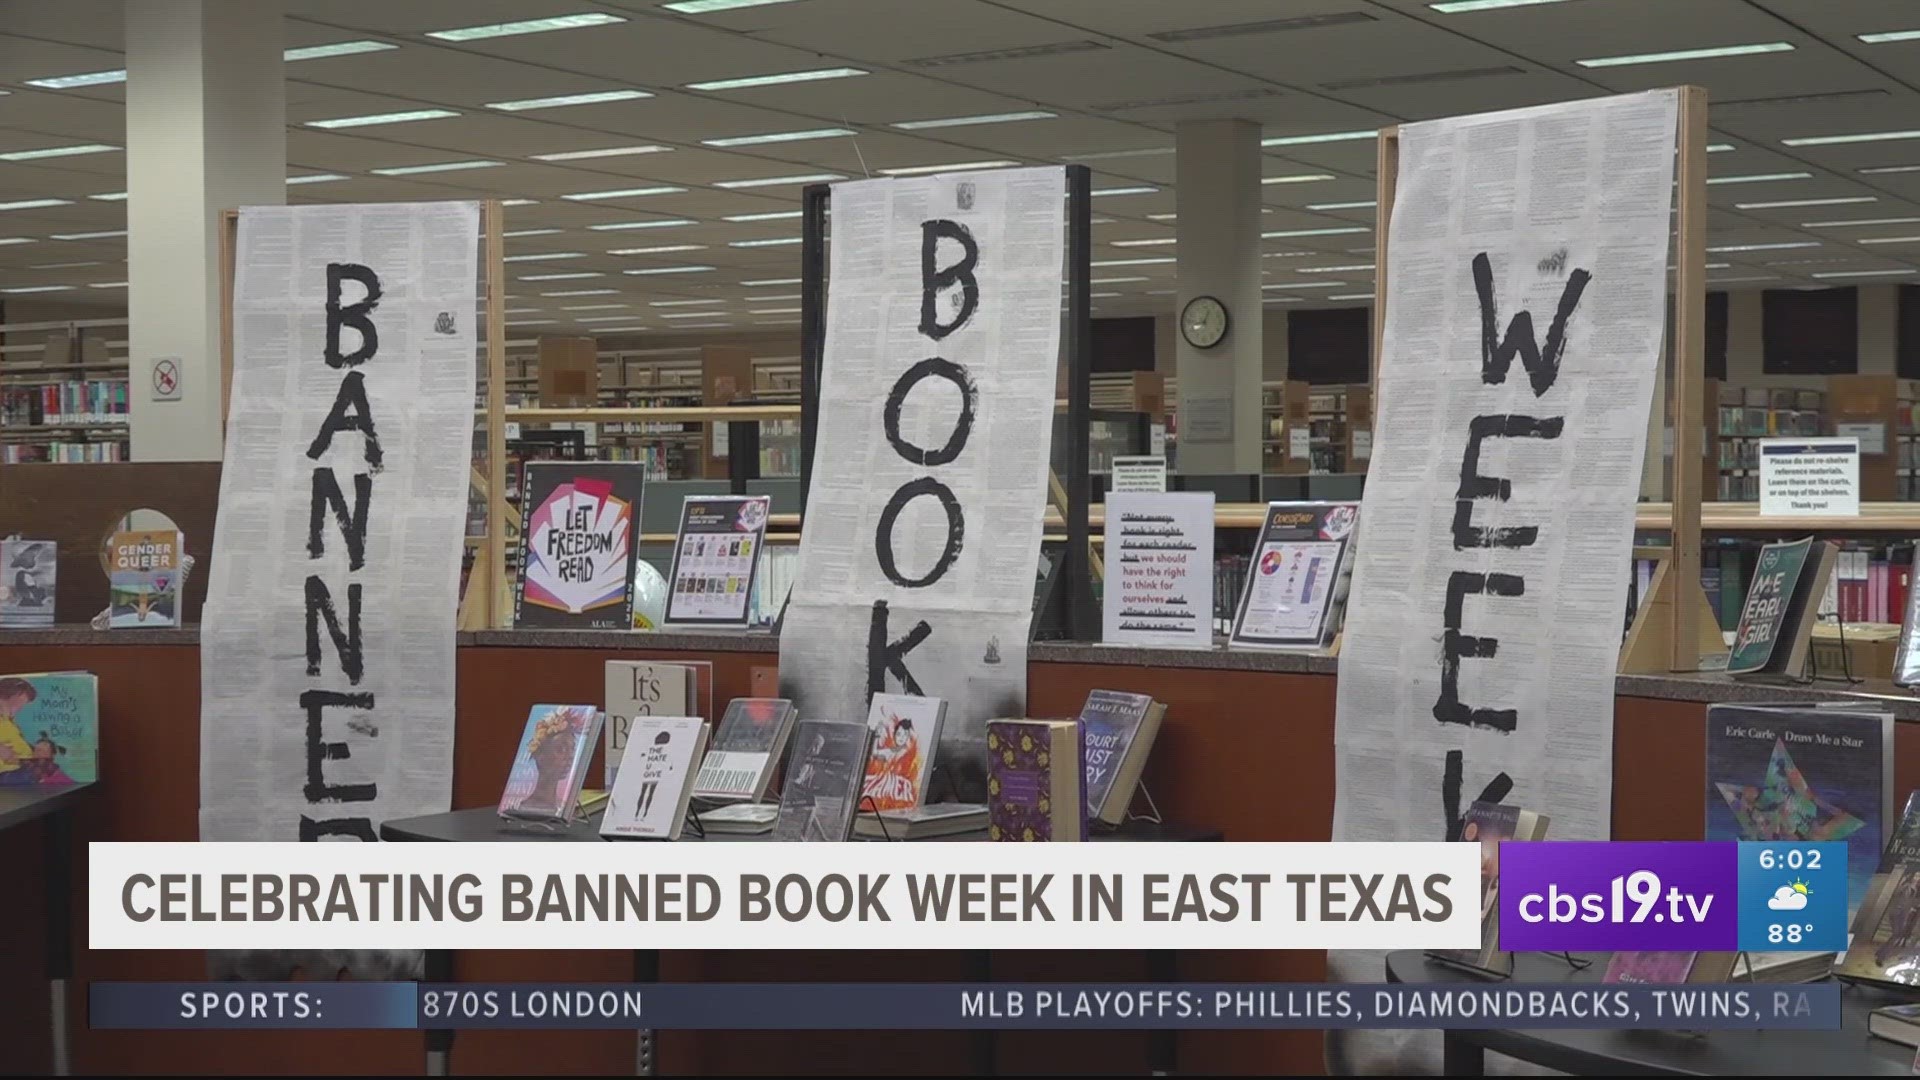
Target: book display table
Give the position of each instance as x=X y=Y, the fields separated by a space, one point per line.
x=17 y=807
x=483 y=824
x=1849 y=1051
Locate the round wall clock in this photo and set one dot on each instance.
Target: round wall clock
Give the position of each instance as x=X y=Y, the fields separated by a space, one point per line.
x=1203 y=322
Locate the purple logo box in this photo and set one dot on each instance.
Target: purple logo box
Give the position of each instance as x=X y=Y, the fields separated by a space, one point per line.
x=1601 y=895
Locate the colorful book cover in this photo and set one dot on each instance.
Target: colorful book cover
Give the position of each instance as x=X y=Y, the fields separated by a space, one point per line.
x=1109 y=720
x=1789 y=773
x=1886 y=934
x=1649 y=967
x=144 y=577
x=26 y=582
x=551 y=765
x=717 y=559
x=49 y=729
x=649 y=798
x=906 y=731
x=822 y=790
x=1775 y=574
x=1035 y=781
x=1302 y=567
x=578 y=549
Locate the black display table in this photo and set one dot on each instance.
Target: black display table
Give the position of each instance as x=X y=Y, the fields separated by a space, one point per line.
x=483 y=824
x=19 y=805
x=1849 y=1051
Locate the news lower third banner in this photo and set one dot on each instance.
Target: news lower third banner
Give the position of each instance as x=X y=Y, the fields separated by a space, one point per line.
x=936 y=1006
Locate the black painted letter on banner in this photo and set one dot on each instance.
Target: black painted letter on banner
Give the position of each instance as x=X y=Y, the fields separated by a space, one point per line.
x=1452 y=777
x=932 y=367
x=1496 y=355
x=326 y=493
x=933 y=279
x=319 y=609
x=883 y=532
x=1475 y=486
x=1456 y=646
x=885 y=656
x=354 y=315
x=320 y=751
x=352 y=395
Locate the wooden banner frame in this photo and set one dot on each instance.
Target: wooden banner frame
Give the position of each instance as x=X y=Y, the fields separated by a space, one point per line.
x=1684 y=628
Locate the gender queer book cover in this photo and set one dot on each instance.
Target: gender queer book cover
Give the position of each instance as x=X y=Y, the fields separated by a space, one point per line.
x=49 y=729
x=1792 y=773
x=578 y=548
x=551 y=764
x=144 y=578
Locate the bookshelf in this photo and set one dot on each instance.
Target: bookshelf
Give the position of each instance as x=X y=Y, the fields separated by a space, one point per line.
x=64 y=392
x=1745 y=415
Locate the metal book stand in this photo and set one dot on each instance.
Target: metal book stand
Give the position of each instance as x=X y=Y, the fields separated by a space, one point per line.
x=1573 y=962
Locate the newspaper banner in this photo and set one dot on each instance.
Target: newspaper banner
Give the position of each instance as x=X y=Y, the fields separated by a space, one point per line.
x=923 y=527
x=327 y=644
x=1525 y=310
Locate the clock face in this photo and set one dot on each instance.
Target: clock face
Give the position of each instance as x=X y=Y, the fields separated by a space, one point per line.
x=1203 y=322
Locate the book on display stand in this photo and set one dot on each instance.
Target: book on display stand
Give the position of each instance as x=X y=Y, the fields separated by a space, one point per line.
x=718 y=552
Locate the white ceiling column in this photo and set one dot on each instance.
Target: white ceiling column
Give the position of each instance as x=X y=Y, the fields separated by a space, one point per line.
x=206 y=132
x=1218 y=198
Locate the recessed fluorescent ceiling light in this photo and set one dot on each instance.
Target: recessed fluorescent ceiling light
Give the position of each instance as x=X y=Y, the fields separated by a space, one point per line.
x=624 y=193
x=662 y=249
x=1858 y=222
x=771 y=215
x=1352 y=296
x=1141 y=189
x=443 y=166
x=959 y=166
x=527 y=26
x=109 y=196
x=37 y=288
x=1341 y=231
x=684 y=303
x=6 y=241
x=338 y=48
x=1885 y=36
x=778 y=137
x=776 y=181
x=1719 y=147
x=1351 y=269
x=382 y=118
x=1712 y=53
x=573 y=275
x=670 y=270
x=519 y=202
x=779 y=241
x=108 y=285
x=707 y=325
x=315 y=178
x=532 y=232
x=64 y=265
x=1131 y=262
x=1859 y=273
x=771 y=281
x=1362 y=205
x=89 y=78
x=599 y=97
x=1732 y=280
x=1457 y=7
x=581 y=292
x=1879 y=170
x=58 y=151
x=603 y=318
x=1325 y=137
x=1090 y=296
x=1310 y=285
x=1789 y=203
x=34 y=204
x=1292 y=254
x=1154 y=151
x=529 y=322
x=1155 y=241
x=1891 y=240
x=796 y=311
x=701 y=7
x=620 y=329
x=769 y=299
x=1724 y=249
x=984 y=118
x=107 y=235
x=690 y=314
x=604 y=152
x=1116 y=280
x=1759 y=178
x=1296 y=178
x=656 y=223
x=813 y=75
x=1865 y=136
x=593 y=307
x=1162 y=217
x=545 y=256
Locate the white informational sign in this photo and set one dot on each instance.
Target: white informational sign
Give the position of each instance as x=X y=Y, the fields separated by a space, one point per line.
x=1298 y=577
x=1810 y=477
x=716 y=559
x=917 y=568
x=1362 y=444
x=1157 y=440
x=1299 y=441
x=1159 y=561
x=1206 y=416
x=327 y=641
x=1525 y=310
x=1139 y=474
x=1871 y=434
x=166 y=378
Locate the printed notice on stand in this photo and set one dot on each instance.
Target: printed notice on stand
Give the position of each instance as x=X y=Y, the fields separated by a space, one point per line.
x=716 y=558
x=327 y=642
x=917 y=567
x=1526 y=300
x=1139 y=474
x=1159 y=584
x=1810 y=477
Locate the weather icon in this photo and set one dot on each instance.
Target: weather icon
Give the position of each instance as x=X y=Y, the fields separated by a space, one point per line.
x=1790 y=897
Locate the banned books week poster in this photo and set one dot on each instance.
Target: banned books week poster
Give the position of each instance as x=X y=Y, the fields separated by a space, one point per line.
x=917 y=566
x=327 y=643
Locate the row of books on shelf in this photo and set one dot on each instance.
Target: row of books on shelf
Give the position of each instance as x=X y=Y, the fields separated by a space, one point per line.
x=1774 y=772
x=1780 y=398
x=1869 y=584
x=1047 y=780
x=62 y=452
x=1745 y=422
x=76 y=401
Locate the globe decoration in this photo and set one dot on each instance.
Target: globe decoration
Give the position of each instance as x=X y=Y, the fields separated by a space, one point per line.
x=649 y=597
